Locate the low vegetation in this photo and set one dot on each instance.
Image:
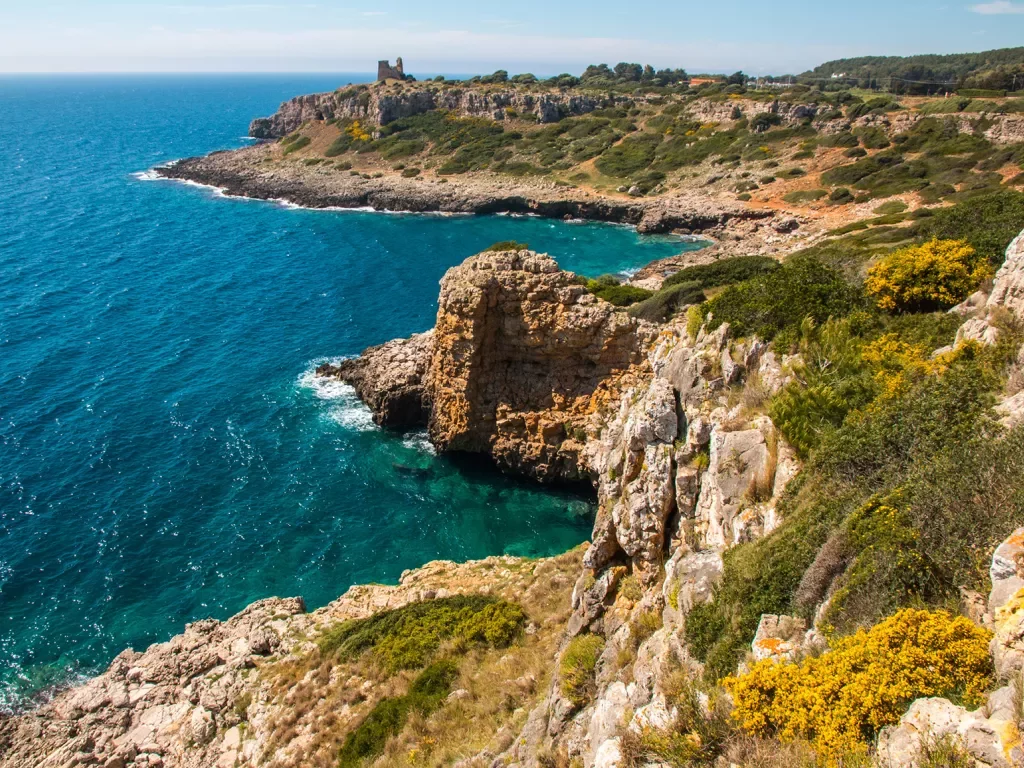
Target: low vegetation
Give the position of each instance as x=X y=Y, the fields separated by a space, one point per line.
x=840 y=700
x=426 y=694
x=576 y=669
x=929 y=277
x=908 y=484
x=408 y=637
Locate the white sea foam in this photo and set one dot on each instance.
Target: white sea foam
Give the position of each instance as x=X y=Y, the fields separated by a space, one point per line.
x=346 y=407
x=150 y=175
x=418 y=441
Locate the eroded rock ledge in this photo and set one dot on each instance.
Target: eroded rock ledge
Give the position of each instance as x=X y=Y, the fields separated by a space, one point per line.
x=519 y=359
x=245 y=173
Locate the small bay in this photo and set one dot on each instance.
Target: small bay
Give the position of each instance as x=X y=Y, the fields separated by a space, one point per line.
x=165 y=454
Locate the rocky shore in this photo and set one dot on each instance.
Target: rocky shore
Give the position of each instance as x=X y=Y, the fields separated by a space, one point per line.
x=526 y=367
x=248 y=172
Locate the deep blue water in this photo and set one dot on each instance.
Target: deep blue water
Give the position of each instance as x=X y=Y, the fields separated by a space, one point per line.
x=164 y=455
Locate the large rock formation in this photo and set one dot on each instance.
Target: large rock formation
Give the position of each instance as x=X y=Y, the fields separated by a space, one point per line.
x=383 y=103
x=520 y=348
x=512 y=368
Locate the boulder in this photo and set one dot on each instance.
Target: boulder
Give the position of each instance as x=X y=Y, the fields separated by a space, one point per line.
x=992 y=742
x=1006 y=605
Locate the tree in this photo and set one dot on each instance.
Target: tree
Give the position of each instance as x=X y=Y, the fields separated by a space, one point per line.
x=628 y=72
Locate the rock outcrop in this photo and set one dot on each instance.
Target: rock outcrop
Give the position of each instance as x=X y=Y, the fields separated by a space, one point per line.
x=511 y=370
x=1006 y=294
x=993 y=742
x=383 y=103
x=520 y=349
x=171 y=705
x=390 y=380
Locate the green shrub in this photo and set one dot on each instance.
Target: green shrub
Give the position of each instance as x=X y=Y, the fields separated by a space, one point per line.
x=723 y=271
x=855 y=152
x=300 y=143
x=987 y=222
x=667 y=302
x=426 y=695
x=805 y=196
x=893 y=206
x=410 y=173
x=579 y=660
x=781 y=299
x=832 y=381
x=407 y=637
x=632 y=155
x=840 y=196
x=508 y=245
x=681 y=151
x=845 y=139
x=622 y=295
x=393 y=150
x=873 y=137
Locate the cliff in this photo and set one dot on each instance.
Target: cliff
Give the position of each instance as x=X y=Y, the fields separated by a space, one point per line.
x=383 y=103
x=514 y=367
x=670 y=426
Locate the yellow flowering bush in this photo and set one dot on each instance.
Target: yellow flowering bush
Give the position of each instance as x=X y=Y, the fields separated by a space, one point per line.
x=897 y=365
x=357 y=132
x=931 y=276
x=839 y=701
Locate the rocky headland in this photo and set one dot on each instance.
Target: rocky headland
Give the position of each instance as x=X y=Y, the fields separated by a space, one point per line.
x=666 y=422
x=249 y=173
x=670 y=424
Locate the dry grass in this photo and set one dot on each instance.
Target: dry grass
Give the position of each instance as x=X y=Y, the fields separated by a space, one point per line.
x=315 y=700
x=762 y=485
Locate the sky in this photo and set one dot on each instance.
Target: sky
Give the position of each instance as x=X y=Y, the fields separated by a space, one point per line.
x=539 y=36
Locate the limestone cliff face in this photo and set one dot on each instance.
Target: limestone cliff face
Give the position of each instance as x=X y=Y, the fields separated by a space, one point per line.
x=520 y=348
x=381 y=104
x=519 y=359
x=389 y=379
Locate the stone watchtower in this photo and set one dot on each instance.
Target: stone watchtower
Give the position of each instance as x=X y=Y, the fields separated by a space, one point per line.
x=386 y=72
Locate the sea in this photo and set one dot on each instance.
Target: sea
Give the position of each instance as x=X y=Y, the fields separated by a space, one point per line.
x=166 y=453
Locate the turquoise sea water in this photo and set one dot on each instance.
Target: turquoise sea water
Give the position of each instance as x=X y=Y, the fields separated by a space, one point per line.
x=164 y=453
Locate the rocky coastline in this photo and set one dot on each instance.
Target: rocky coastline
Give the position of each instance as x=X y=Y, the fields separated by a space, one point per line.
x=244 y=173
x=523 y=365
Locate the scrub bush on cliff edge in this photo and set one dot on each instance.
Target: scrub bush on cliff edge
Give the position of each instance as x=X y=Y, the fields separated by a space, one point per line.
x=407 y=637
x=841 y=699
x=933 y=276
x=782 y=298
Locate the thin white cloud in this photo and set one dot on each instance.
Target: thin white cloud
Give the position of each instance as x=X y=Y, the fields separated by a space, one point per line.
x=358 y=49
x=998 y=8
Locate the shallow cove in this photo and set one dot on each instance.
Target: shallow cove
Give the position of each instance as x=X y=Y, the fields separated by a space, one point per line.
x=165 y=454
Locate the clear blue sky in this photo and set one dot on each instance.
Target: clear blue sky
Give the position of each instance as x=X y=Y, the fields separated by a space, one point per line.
x=542 y=36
